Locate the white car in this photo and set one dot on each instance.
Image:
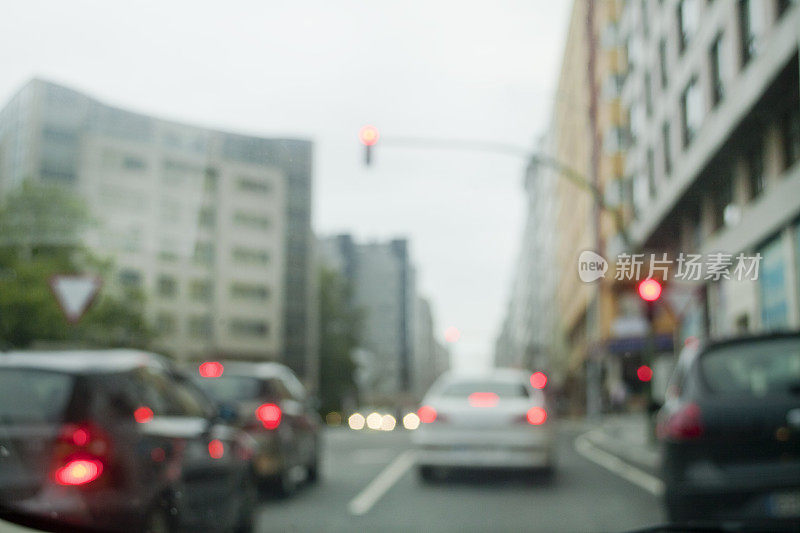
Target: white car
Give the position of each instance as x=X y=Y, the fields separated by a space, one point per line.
x=497 y=420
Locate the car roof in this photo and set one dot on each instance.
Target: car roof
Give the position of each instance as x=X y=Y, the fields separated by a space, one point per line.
x=266 y=369
x=741 y=339
x=82 y=361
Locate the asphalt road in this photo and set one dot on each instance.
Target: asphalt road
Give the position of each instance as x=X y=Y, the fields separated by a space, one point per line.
x=369 y=484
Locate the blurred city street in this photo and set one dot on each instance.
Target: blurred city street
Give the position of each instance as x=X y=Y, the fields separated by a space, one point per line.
x=581 y=496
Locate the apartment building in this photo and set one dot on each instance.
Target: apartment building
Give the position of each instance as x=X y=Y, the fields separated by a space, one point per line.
x=214 y=227
x=712 y=90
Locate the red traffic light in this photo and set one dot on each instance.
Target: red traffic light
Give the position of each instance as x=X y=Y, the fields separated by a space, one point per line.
x=644 y=373
x=368 y=135
x=211 y=369
x=649 y=290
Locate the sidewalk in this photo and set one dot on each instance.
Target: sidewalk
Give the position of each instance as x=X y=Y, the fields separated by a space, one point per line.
x=626 y=436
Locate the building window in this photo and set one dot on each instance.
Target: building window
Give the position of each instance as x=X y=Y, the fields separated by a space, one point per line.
x=645 y=19
x=249 y=328
x=648 y=94
x=166 y=323
x=254 y=185
x=207 y=217
x=784 y=5
x=772 y=285
x=204 y=253
x=250 y=256
x=651 y=174
x=691 y=111
x=688 y=19
x=251 y=220
x=667 y=148
x=167 y=286
x=210 y=179
x=790 y=133
x=133 y=163
x=755 y=168
x=662 y=62
x=201 y=290
x=130 y=278
x=717 y=64
x=722 y=198
x=751 y=22
x=201 y=326
x=249 y=291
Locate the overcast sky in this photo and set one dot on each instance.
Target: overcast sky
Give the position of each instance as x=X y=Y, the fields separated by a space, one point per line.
x=319 y=70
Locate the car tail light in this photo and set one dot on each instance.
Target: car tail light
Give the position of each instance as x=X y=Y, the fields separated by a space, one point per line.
x=427 y=414
x=684 y=424
x=536 y=416
x=270 y=415
x=81 y=453
x=79 y=472
x=483 y=399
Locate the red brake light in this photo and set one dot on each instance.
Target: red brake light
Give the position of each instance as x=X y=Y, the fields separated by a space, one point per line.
x=538 y=380
x=211 y=369
x=536 y=416
x=270 y=415
x=684 y=424
x=483 y=399
x=79 y=472
x=143 y=414
x=216 y=449
x=427 y=414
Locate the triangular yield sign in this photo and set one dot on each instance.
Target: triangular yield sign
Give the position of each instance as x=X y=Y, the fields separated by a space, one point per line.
x=74 y=293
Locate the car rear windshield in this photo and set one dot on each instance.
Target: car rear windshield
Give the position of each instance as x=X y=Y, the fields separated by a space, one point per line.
x=503 y=389
x=753 y=368
x=33 y=395
x=231 y=388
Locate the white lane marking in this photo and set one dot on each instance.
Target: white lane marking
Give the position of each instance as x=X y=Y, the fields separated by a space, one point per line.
x=390 y=475
x=619 y=467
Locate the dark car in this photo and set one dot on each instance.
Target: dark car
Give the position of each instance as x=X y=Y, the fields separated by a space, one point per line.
x=118 y=441
x=275 y=409
x=730 y=431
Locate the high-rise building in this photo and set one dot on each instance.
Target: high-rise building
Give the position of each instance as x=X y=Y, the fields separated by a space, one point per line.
x=715 y=120
x=382 y=279
x=214 y=227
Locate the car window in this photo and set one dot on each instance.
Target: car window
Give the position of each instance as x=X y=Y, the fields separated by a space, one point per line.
x=293 y=386
x=755 y=368
x=231 y=388
x=190 y=401
x=33 y=395
x=504 y=389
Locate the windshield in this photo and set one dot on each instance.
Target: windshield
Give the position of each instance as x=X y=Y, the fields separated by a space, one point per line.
x=503 y=389
x=753 y=369
x=232 y=388
x=33 y=396
x=427 y=265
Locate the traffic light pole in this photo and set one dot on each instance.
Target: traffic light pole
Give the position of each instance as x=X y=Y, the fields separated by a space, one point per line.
x=533 y=158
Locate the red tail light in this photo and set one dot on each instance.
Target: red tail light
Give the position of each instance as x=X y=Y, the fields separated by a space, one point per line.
x=536 y=416
x=80 y=454
x=427 y=414
x=684 y=424
x=216 y=449
x=483 y=399
x=79 y=472
x=270 y=415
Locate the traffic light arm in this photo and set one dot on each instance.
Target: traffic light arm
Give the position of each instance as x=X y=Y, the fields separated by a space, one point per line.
x=535 y=158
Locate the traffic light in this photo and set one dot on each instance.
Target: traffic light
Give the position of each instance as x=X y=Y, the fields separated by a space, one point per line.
x=368 y=135
x=650 y=291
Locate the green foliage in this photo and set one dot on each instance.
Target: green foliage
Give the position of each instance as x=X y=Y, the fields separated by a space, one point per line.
x=40 y=235
x=339 y=326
